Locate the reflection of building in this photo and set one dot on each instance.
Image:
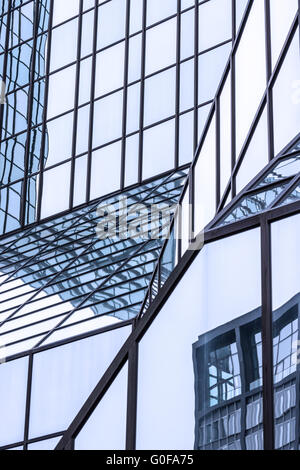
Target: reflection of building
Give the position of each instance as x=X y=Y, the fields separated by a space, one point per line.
x=23 y=61
x=228 y=371
x=152 y=343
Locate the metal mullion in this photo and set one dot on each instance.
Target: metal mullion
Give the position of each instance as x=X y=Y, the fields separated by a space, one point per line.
x=177 y=98
x=132 y=387
x=45 y=112
x=28 y=401
x=267 y=334
x=76 y=100
x=233 y=19
x=142 y=93
x=92 y=100
x=29 y=115
x=218 y=152
x=196 y=73
x=269 y=74
x=4 y=72
x=125 y=96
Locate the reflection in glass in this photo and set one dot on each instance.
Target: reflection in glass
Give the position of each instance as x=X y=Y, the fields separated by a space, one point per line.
x=253 y=204
x=228 y=374
x=15 y=119
x=60 y=274
x=285 y=340
x=284 y=169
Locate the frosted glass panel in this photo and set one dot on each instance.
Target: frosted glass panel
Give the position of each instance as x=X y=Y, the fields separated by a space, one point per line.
x=159 y=142
x=13 y=386
x=211 y=68
x=187 y=47
x=166 y=400
x=48 y=444
x=157 y=10
x=132 y=160
x=282 y=15
x=250 y=56
x=225 y=134
x=285 y=260
x=62 y=11
x=286 y=98
x=109 y=70
x=108 y=119
x=106 y=428
x=60 y=133
x=56 y=190
x=256 y=156
x=205 y=181
x=62 y=381
x=161 y=46
x=106 y=170
x=61 y=92
x=218 y=14
x=66 y=35
x=160 y=96
x=111 y=23
x=186 y=132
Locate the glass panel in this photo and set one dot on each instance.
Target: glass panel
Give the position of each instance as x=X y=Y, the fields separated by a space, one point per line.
x=282 y=16
x=106 y=170
x=110 y=70
x=158 y=10
x=286 y=98
x=66 y=35
x=173 y=364
x=286 y=308
x=211 y=66
x=161 y=46
x=250 y=56
x=108 y=119
x=62 y=381
x=253 y=204
x=256 y=155
x=160 y=96
x=293 y=197
x=217 y=13
x=159 y=148
x=111 y=22
x=106 y=428
x=205 y=181
x=48 y=444
x=13 y=387
x=225 y=134
x=56 y=190
x=284 y=169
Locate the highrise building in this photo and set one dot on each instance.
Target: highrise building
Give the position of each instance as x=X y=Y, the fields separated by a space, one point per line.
x=149 y=219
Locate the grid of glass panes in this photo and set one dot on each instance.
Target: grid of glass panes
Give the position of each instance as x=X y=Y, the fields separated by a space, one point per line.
x=224 y=374
x=62 y=278
x=123 y=100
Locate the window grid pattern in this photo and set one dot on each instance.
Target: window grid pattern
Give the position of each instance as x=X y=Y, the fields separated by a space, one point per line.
x=137 y=93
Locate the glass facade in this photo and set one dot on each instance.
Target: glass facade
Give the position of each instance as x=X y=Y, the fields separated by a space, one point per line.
x=149 y=220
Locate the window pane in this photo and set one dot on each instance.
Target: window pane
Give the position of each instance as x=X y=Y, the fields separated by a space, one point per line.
x=62 y=381
x=106 y=428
